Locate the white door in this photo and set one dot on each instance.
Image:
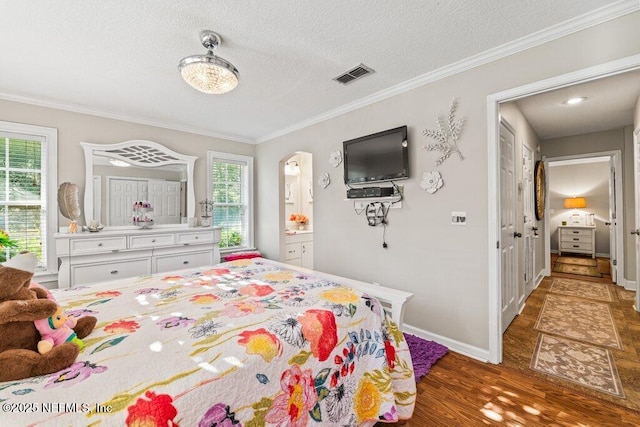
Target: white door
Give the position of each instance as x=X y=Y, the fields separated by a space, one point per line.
x=122 y=194
x=165 y=201
x=612 y=222
x=636 y=167
x=508 y=230
x=529 y=224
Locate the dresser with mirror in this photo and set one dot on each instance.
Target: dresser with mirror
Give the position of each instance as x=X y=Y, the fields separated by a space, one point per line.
x=118 y=176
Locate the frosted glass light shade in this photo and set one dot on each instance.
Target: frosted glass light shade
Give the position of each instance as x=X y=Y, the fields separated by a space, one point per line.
x=575 y=203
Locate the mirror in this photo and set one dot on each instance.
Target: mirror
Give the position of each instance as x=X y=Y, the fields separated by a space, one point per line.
x=118 y=175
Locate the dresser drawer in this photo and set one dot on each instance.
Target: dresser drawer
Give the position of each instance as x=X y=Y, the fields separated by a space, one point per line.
x=98 y=245
x=152 y=241
x=569 y=246
x=93 y=273
x=195 y=237
x=293 y=250
x=577 y=238
x=182 y=261
x=567 y=232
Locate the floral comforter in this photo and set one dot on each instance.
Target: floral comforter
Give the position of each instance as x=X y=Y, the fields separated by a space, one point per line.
x=242 y=343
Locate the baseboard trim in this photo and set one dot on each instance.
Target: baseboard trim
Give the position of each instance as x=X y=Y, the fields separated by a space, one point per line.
x=630 y=285
x=477 y=353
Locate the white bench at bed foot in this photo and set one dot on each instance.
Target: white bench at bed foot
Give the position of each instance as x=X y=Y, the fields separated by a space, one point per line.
x=393 y=299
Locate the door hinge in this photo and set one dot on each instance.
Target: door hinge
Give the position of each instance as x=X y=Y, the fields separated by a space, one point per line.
x=613 y=215
x=498 y=244
x=614 y=262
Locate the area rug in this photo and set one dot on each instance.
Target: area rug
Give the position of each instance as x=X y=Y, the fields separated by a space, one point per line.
x=587 y=321
x=589 y=262
x=580 y=363
x=626 y=295
x=424 y=354
x=581 y=270
x=581 y=288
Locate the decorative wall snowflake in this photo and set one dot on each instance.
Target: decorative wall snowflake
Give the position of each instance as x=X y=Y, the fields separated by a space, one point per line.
x=447 y=135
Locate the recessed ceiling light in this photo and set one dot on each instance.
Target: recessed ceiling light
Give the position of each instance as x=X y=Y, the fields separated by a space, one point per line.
x=574 y=101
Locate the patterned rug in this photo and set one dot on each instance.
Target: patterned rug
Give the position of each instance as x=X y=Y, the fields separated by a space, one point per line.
x=587 y=321
x=626 y=295
x=589 y=262
x=581 y=288
x=424 y=354
x=581 y=270
x=583 y=364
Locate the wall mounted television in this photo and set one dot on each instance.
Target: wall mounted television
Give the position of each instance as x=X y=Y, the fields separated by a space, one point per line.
x=379 y=157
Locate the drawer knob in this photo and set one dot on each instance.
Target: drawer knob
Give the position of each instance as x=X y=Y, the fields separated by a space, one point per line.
x=99 y=244
x=575 y=232
x=575 y=239
x=185 y=262
x=196 y=237
x=576 y=246
x=153 y=240
x=114 y=271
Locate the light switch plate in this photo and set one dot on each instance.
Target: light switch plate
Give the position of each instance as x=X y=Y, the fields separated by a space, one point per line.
x=458 y=218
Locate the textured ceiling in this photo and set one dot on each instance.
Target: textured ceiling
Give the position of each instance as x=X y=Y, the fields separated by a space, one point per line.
x=119 y=58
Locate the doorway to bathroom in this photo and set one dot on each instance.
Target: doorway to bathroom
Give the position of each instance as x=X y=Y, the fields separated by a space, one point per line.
x=298 y=210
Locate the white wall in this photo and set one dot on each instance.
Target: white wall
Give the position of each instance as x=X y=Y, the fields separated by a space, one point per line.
x=591 y=181
x=74 y=128
x=445 y=266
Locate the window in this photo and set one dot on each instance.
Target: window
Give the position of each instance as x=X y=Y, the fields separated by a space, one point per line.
x=230 y=186
x=28 y=182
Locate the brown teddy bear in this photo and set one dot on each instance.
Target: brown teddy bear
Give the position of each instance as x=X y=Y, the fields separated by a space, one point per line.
x=20 y=306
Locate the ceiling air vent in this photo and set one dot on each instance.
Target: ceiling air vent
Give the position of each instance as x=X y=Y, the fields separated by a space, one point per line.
x=353 y=74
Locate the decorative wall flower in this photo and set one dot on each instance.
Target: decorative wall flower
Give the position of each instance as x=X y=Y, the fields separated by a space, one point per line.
x=261 y=342
x=291 y=407
x=319 y=328
x=335 y=158
x=324 y=180
x=447 y=135
x=431 y=181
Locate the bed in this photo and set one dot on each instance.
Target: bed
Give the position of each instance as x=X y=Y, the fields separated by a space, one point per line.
x=248 y=342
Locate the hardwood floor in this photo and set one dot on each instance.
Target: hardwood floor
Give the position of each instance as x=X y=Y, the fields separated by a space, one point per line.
x=460 y=391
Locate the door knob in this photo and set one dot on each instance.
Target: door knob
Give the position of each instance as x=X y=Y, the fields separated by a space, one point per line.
x=607 y=223
x=516 y=234
x=636 y=232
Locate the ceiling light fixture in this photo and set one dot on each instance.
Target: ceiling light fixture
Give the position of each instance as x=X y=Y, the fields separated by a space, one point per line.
x=209 y=73
x=574 y=101
x=292 y=168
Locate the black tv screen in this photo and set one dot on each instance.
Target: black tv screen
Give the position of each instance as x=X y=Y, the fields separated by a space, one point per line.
x=382 y=156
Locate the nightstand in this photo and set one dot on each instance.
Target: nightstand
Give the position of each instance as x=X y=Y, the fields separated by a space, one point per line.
x=579 y=239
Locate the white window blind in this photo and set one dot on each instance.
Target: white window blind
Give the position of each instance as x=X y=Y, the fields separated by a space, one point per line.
x=230 y=190
x=23 y=194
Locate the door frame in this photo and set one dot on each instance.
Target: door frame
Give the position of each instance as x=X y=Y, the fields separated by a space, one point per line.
x=616 y=156
x=493 y=131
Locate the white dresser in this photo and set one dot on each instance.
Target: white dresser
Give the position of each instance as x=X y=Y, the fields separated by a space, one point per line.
x=579 y=239
x=87 y=258
x=299 y=249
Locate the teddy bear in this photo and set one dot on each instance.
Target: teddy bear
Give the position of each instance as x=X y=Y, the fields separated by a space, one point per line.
x=20 y=307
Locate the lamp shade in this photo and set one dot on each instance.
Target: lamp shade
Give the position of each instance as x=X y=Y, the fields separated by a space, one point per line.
x=575 y=203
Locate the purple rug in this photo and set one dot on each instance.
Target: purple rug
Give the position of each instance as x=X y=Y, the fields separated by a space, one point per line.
x=424 y=354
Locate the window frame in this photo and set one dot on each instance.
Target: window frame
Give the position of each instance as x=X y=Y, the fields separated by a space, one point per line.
x=213 y=156
x=50 y=136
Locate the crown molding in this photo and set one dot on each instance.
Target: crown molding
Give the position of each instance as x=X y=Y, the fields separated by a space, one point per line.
x=77 y=108
x=593 y=18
